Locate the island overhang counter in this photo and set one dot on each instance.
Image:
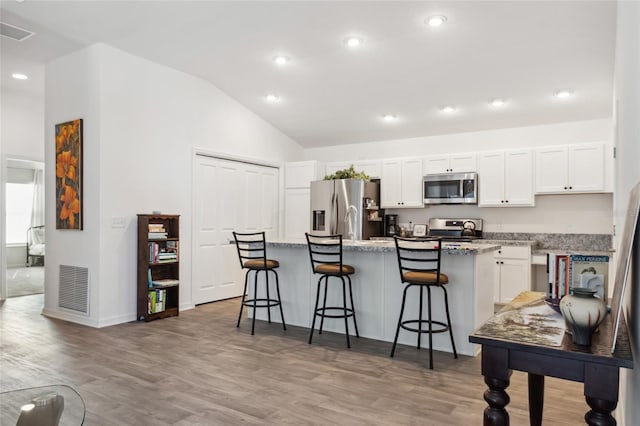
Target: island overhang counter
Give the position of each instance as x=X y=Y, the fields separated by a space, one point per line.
x=377 y=291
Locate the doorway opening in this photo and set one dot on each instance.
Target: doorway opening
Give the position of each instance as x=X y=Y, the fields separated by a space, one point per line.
x=24 y=227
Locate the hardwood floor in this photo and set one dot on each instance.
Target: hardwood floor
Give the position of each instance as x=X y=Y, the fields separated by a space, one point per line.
x=198 y=368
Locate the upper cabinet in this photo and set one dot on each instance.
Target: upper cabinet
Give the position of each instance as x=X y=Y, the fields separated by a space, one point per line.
x=450 y=163
x=570 y=169
x=372 y=168
x=505 y=178
x=300 y=174
x=401 y=183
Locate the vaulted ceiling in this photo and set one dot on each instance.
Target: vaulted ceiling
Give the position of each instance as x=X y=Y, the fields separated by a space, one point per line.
x=329 y=93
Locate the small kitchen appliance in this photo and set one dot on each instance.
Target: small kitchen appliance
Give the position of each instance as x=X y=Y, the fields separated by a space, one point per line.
x=450 y=188
x=391 y=227
x=456 y=229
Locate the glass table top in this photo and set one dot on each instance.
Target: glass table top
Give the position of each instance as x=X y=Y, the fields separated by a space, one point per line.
x=42 y=406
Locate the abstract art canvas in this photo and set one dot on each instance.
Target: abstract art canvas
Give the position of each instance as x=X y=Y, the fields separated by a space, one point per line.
x=69 y=175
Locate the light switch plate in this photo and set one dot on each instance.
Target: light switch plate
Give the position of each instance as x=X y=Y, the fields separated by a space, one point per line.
x=118 y=222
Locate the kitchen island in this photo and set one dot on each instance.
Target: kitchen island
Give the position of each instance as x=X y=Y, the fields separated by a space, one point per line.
x=377 y=291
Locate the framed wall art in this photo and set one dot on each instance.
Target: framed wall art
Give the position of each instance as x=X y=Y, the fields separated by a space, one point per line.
x=69 y=198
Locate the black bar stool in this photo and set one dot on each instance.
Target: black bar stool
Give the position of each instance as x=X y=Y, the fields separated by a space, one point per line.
x=325 y=253
x=252 y=251
x=419 y=264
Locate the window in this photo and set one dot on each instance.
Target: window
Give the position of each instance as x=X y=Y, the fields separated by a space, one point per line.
x=19 y=197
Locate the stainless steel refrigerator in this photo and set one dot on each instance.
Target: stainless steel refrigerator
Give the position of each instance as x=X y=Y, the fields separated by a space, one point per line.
x=346 y=206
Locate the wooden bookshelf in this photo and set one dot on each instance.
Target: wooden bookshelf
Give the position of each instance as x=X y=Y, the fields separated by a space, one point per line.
x=158 y=284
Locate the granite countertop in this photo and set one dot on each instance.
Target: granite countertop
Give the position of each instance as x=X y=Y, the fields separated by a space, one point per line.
x=523 y=243
x=374 y=246
x=543 y=252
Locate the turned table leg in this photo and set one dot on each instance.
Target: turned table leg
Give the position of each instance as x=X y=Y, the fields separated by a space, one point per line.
x=497 y=398
x=496 y=375
x=601 y=393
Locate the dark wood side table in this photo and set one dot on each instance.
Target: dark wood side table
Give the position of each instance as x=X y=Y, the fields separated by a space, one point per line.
x=595 y=366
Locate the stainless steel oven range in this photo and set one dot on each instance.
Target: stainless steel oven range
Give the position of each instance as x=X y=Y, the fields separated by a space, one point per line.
x=455 y=229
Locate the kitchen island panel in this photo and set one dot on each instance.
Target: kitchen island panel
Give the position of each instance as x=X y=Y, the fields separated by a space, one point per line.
x=377 y=293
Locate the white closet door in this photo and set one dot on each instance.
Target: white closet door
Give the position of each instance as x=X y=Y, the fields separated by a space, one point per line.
x=228 y=196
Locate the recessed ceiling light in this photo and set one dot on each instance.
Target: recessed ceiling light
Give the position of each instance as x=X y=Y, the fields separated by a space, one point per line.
x=389 y=117
x=497 y=102
x=281 y=59
x=448 y=109
x=19 y=76
x=435 y=20
x=353 y=41
x=563 y=94
x=272 y=98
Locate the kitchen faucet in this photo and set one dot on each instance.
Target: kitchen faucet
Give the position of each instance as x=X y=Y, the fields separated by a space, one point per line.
x=347 y=216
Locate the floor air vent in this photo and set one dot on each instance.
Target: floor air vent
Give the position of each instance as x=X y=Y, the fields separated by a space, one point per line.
x=74 y=288
x=13 y=32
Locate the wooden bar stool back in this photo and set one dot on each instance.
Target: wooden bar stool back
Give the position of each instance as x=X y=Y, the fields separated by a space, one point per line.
x=252 y=252
x=419 y=265
x=325 y=253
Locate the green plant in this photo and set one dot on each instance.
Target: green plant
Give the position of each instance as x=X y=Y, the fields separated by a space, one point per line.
x=349 y=173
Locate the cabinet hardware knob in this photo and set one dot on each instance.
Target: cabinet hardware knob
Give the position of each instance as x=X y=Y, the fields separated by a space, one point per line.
x=506 y=201
x=571 y=187
x=497 y=263
x=502 y=201
x=565 y=187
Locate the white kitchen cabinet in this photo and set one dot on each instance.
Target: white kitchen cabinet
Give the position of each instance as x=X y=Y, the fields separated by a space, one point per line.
x=450 y=163
x=505 y=178
x=369 y=167
x=401 y=183
x=300 y=174
x=512 y=272
x=570 y=169
x=297 y=213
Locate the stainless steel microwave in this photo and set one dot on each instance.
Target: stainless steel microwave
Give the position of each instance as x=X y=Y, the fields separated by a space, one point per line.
x=450 y=188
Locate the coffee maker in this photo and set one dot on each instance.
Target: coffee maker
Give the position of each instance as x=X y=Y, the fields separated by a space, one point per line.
x=391 y=227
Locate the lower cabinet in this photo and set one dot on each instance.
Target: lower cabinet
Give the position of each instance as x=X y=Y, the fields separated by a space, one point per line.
x=512 y=272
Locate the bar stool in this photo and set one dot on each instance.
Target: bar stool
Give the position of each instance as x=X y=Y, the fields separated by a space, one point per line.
x=325 y=253
x=419 y=264
x=252 y=252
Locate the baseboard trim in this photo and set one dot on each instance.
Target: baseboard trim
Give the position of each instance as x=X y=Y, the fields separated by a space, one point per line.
x=67 y=316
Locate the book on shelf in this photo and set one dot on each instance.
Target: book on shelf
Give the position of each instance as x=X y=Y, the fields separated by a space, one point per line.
x=566 y=272
x=157 y=301
x=158 y=235
x=156 y=227
x=166 y=282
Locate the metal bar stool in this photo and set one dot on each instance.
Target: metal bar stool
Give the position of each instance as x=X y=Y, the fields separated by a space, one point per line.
x=325 y=253
x=419 y=264
x=252 y=252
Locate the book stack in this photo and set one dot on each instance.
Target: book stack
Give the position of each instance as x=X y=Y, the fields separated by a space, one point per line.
x=566 y=272
x=163 y=254
x=157 y=301
x=157 y=231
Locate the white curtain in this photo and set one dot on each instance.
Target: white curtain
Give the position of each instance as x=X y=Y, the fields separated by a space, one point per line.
x=37 y=212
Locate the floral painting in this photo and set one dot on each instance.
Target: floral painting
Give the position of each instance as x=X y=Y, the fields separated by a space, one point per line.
x=69 y=175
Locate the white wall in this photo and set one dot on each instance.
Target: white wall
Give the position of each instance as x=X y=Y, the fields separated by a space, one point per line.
x=533 y=136
x=627 y=131
x=22 y=130
x=570 y=214
x=142 y=121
